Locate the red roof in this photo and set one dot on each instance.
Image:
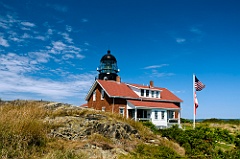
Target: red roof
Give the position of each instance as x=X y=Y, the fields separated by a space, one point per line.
x=167 y=95
x=153 y=104
x=114 y=88
x=119 y=89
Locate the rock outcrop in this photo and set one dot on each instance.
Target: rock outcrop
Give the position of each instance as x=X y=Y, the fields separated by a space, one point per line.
x=79 y=124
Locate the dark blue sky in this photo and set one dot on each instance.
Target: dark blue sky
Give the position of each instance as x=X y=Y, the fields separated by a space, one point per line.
x=50 y=49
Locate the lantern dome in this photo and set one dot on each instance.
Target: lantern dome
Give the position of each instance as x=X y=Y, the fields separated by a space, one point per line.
x=108 y=56
x=108 y=67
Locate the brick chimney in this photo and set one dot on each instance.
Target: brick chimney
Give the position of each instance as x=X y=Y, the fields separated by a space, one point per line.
x=118 y=79
x=151 y=84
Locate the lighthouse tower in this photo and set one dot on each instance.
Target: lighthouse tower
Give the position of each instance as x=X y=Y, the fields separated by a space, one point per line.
x=108 y=67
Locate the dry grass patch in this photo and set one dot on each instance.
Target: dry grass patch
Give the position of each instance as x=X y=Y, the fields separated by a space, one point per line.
x=65 y=111
x=172 y=145
x=230 y=127
x=22 y=132
x=101 y=141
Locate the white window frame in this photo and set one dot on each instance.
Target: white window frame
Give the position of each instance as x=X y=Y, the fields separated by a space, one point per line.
x=102 y=94
x=172 y=114
x=147 y=93
x=162 y=115
x=94 y=95
x=123 y=110
x=157 y=94
x=152 y=94
x=156 y=115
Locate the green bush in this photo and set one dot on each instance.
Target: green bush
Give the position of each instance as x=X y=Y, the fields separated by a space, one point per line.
x=213 y=120
x=151 y=126
x=201 y=141
x=185 y=120
x=144 y=151
x=221 y=121
x=237 y=141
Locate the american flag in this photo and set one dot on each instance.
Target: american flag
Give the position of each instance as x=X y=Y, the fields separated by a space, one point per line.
x=198 y=84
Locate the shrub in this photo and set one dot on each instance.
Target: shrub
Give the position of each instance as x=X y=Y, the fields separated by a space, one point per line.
x=213 y=120
x=151 y=126
x=151 y=152
x=185 y=120
x=202 y=141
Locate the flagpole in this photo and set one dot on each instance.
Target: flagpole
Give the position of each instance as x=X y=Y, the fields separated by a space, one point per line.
x=194 y=109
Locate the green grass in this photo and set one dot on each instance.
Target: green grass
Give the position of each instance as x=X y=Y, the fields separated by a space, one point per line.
x=144 y=151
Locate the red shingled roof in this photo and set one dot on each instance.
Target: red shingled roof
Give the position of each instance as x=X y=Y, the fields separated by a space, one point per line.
x=167 y=95
x=114 y=88
x=153 y=104
x=118 y=89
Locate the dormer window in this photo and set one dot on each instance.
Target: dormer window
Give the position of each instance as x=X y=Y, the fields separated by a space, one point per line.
x=142 y=92
x=157 y=94
x=152 y=94
x=147 y=93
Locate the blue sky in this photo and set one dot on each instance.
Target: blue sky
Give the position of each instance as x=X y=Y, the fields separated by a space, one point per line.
x=50 y=49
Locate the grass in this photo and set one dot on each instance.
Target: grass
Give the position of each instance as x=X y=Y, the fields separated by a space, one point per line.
x=24 y=134
x=144 y=151
x=66 y=154
x=101 y=141
x=21 y=130
x=225 y=147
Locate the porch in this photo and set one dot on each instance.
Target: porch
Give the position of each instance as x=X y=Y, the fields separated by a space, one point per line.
x=161 y=118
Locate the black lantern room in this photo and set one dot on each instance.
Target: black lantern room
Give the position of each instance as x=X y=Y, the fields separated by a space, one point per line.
x=108 y=67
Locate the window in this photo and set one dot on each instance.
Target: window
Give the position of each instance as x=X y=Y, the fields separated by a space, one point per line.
x=156 y=114
x=147 y=93
x=163 y=114
x=157 y=94
x=152 y=94
x=94 y=95
x=172 y=114
x=103 y=109
x=102 y=94
x=121 y=111
x=142 y=92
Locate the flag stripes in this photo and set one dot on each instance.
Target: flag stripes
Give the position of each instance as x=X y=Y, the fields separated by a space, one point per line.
x=198 y=84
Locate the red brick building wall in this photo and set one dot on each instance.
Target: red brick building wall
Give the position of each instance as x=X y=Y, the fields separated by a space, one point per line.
x=110 y=104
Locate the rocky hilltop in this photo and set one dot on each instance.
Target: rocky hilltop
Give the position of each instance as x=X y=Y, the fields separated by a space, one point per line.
x=85 y=133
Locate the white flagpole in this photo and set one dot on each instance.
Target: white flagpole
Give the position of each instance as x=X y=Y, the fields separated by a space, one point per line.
x=194 y=109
